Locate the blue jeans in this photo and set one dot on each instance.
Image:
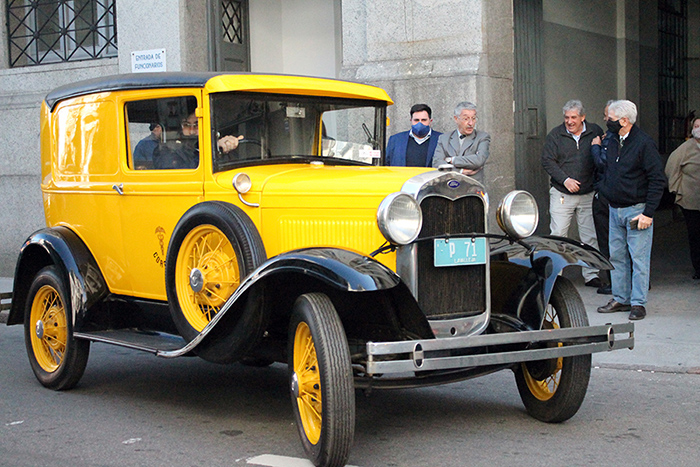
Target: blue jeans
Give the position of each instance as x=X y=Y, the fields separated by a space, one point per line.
x=630 y=254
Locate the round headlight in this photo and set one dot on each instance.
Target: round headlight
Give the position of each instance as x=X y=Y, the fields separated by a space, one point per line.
x=242 y=183
x=399 y=218
x=517 y=214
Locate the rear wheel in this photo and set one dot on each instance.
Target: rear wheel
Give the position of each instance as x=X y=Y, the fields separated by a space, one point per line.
x=56 y=357
x=321 y=380
x=553 y=390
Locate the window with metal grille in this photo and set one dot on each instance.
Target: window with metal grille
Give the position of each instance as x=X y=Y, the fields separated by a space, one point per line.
x=673 y=73
x=231 y=21
x=51 y=31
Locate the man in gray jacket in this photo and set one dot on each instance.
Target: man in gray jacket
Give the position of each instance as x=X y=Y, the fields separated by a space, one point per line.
x=466 y=147
x=567 y=159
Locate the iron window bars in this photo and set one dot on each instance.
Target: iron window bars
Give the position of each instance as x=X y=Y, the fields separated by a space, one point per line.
x=53 y=31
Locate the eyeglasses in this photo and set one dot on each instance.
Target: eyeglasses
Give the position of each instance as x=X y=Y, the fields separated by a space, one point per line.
x=186 y=124
x=468 y=119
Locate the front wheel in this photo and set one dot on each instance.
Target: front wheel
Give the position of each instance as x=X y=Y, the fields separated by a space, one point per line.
x=553 y=390
x=214 y=247
x=56 y=357
x=321 y=381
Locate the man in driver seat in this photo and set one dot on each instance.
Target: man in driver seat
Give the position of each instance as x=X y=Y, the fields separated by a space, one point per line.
x=183 y=153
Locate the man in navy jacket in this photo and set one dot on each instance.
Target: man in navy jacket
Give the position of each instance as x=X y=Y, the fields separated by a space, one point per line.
x=633 y=181
x=415 y=147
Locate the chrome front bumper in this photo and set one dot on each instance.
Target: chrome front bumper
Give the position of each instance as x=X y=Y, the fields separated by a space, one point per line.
x=407 y=356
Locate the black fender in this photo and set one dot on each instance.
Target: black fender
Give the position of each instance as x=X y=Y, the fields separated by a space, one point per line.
x=523 y=274
x=61 y=247
x=367 y=295
x=340 y=269
x=372 y=301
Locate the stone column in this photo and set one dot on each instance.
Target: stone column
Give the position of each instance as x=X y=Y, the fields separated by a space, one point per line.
x=439 y=53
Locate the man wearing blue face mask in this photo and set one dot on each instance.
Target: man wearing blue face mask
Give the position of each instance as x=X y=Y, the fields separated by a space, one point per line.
x=414 y=148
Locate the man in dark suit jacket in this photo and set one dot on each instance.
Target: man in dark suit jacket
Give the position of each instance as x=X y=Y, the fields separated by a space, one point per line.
x=414 y=148
x=466 y=147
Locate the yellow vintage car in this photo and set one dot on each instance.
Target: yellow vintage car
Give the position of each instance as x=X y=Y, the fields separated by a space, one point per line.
x=249 y=218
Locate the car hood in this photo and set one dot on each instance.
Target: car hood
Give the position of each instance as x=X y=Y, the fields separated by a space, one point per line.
x=320 y=185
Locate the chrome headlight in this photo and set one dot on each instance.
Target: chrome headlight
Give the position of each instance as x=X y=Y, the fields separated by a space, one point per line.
x=400 y=218
x=517 y=214
x=242 y=183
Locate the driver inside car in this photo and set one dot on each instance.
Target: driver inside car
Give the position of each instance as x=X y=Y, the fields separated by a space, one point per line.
x=183 y=152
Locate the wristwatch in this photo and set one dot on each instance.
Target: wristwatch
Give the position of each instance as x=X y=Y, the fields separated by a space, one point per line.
x=448 y=159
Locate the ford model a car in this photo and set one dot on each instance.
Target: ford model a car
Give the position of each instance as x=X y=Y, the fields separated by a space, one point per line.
x=247 y=218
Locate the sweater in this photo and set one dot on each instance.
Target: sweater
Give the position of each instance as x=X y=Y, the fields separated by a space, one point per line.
x=683 y=172
x=634 y=173
x=563 y=157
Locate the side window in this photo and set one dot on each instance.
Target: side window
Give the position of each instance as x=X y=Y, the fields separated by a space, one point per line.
x=84 y=140
x=163 y=133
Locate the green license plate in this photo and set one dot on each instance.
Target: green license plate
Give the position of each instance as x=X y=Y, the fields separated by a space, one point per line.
x=459 y=251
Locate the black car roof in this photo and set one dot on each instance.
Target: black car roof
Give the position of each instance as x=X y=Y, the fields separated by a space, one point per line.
x=130 y=81
x=249 y=81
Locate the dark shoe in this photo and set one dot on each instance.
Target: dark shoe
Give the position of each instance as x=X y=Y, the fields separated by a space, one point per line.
x=638 y=312
x=605 y=290
x=613 y=307
x=595 y=282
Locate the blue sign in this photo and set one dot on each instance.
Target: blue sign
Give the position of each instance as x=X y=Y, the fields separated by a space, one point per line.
x=460 y=251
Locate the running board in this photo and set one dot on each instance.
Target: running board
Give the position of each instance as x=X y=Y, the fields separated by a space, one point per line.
x=146 y=341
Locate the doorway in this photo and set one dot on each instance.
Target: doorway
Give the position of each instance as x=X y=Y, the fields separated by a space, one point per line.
x=229 y=36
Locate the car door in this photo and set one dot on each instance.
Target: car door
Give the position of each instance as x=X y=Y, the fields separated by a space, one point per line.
x=155 y=193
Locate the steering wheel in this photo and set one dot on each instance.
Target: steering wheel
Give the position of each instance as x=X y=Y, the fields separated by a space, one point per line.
x=255 y=142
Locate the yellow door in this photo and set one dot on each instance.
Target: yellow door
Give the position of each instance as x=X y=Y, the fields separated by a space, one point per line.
x=155 y=195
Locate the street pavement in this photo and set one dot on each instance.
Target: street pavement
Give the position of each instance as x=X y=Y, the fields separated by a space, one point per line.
x=668 y=339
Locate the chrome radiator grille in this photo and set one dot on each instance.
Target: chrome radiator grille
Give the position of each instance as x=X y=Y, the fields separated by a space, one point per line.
x=450 y=292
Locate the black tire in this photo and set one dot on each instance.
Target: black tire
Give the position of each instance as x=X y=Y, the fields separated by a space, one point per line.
x=217 y=244
x=553 y=390
x=319 y=365
x=56 y=357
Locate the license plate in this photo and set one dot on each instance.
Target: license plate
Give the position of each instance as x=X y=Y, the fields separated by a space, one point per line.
x=459 y=251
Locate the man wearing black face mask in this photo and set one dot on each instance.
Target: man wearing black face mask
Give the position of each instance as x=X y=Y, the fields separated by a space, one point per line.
x=601 y=207
x=633 y=182
x=414 y=148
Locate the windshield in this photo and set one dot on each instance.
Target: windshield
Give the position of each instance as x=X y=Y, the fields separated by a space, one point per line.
x=279 y=128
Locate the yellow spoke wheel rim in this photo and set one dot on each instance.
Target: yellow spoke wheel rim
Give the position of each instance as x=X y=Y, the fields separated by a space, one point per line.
x=309 y=381
x=206 y=274
x=50 y=333
x=546 y=388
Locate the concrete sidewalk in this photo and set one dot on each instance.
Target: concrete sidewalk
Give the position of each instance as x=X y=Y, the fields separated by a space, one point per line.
x=668 y=339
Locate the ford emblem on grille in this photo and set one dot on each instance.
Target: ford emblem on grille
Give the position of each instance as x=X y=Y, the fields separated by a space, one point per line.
x=453 y=184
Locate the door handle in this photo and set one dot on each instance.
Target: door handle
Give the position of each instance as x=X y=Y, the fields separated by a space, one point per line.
x=119 y=188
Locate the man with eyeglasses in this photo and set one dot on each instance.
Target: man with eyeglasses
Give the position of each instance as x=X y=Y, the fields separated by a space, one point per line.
x=183 y=153
x=465 y=148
